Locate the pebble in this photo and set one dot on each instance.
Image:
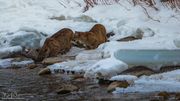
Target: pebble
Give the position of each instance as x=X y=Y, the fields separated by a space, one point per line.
x=67 y=88
x=44 y=71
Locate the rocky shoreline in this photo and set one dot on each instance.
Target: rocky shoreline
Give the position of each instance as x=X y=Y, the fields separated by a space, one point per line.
x=25 y=82
x=28 y=85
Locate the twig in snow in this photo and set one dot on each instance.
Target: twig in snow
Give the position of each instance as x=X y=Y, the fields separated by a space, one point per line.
x=61 y=4
x=146 y=12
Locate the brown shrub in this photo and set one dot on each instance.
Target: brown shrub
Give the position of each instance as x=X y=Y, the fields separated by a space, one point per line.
x=173 y=4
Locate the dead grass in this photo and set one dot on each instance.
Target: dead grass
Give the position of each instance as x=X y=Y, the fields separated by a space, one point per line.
x=92 y=3
x=173 y=4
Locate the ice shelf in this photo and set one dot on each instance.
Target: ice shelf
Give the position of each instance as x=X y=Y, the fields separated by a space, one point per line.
x=149 y=57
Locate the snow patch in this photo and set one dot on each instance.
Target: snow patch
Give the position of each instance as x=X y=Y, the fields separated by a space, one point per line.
x=13 y=62
x=168 y=81
x=92 y=55
x=123 y=78
x=4 y=52
x=74 y=66
x=106 y=68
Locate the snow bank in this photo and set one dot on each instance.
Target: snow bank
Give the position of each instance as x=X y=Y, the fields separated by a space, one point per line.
x=72 y=66
x=13 y=62
x=36 y=16
x=5 y=63
x=106 y=68
x=124 y=19
x=169 y=82
x=4 y=52
x=91 y=63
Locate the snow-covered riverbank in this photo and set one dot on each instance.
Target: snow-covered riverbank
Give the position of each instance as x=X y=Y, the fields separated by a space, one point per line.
x=27 y=23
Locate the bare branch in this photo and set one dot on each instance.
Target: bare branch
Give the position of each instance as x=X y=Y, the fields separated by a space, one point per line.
x=61 y=4
x=146 y=12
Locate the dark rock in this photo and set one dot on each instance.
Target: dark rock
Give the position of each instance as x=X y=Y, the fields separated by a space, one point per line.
x=156 y=98
x=114 y=85
x=1 y=86
x=32 y=66
x=165 y=95
x=168 y=68
x=80 y=80
x=67 y=88
x=76 y=76
x=93 y=86
x=44 y=71
x=177 y=96
x=138 y=71
x=128 y=38
x=102 y=81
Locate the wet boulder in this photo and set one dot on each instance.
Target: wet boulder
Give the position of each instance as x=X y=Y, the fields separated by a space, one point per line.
x=44 y=71
x=120 y=84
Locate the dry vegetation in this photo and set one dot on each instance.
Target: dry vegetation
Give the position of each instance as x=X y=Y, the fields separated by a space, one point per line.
x=173 y=4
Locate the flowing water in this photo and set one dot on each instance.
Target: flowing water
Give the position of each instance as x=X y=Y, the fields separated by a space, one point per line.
x=27 y=85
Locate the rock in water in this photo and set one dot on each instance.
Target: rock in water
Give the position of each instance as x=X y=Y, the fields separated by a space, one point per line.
x=121 y=84
x=32 y=66
x=67 y=88
x=138 y=71
x=165 y=95
x=76 y=76
x=177 y=96
x=52 y=60
x=44 y=71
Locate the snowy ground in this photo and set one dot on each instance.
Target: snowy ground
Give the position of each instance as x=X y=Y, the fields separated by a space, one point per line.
x=40 y=19
x=160 y=82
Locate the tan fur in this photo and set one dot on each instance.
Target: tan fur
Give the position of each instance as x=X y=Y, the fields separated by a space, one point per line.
x=91 y=39
x=59 y=43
